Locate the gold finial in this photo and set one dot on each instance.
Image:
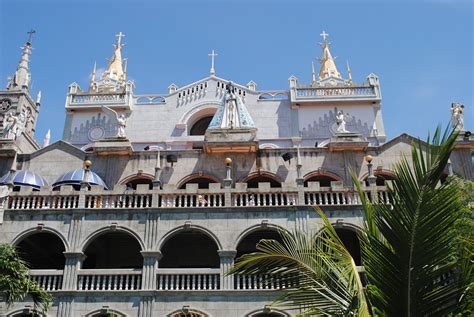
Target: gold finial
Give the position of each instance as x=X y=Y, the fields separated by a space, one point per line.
x=87 y=164
x=228 y=161
x=368 y=158
x=114 y=70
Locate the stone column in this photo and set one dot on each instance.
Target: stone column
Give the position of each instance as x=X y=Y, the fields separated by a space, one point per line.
x=65 y=308
x=71 y=267
x=146 y=306
x=227 y=260
x=150 y=266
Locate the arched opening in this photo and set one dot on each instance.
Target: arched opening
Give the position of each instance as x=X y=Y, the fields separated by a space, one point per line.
x=380 y=178
x=323 y=179
x=202 y=182
x=105 y=312
x=186 y=312
x=351 y=241
x=249 y=243
x=113 y=250
x=252 y=182
x=268 y=315
x=190 y=249
x=200 y=126
x=132 y=184
x=42 y=250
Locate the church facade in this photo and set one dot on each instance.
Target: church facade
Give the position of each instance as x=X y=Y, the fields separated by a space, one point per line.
x=146 y=201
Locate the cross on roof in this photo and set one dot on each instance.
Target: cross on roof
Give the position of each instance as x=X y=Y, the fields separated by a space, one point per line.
x=30 y=35
x=213 y=54
x=119 y=36
x=324 y=35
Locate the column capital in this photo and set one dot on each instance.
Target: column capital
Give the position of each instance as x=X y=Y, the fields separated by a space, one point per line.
x=227 y=253
x=152 y=254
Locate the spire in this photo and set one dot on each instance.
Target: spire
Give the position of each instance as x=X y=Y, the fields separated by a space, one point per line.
x=47 y=137
x=22 y=76
x=349 y=73
x=114 y=70
x=93 y=73
x=327 y=65
x=38 y=98
x=313 y=73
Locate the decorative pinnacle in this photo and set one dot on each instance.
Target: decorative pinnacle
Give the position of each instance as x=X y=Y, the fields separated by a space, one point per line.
x=119 y=36
x=324 y=35
x=212 y=55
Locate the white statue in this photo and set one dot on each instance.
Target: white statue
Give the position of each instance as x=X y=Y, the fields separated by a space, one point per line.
x=120 y=121
x=21 y=124
x=230 y=118
x=457 y=116
x=10 y=127
x=341 y=122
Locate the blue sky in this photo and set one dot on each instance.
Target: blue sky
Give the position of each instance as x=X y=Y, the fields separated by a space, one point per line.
x=421 y=50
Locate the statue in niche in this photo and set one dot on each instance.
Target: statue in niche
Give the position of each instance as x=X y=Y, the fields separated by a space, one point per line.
x=120 y=121
x=341 y=122
x=457 y=116
x=11 y=125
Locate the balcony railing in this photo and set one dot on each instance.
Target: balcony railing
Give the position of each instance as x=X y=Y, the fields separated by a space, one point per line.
x=50 y=280
x=180 y=198
x=259 y=282
x=188 y=279
x=98 y=98
x=325 y=92
x=109 y=280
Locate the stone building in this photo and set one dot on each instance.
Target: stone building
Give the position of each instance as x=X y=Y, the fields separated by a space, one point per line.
x=147 y=200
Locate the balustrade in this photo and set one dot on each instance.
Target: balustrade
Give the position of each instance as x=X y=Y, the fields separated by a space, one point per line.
x=327 y=197
x=18 y=202
x=259 y=282
x=101 y=98
x=251 y=199
x=338 y=92
x=119 y=201
x=192 y=200
x=192 y=93
x=109 y=280
x=49 y=280
x=188 y=279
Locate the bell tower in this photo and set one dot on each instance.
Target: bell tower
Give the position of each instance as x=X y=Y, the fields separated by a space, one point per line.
x=18 y=110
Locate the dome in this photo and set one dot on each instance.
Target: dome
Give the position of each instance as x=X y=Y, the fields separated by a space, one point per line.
x=25 y=178
x=75 y=177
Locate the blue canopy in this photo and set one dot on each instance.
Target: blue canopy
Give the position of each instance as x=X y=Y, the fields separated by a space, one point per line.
x=25 y=178
x=76 y=176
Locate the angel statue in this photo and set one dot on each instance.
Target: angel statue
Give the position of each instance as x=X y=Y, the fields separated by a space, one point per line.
x=10 y=127
x=457 y=116
x=120 y=121
x=341 y=122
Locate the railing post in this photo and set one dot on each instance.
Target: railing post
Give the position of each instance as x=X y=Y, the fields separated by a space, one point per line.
x=150 y=266
x=227 y=260
x=71 y=267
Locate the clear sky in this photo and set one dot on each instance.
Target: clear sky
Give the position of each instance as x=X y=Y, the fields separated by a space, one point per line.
x=421 y=50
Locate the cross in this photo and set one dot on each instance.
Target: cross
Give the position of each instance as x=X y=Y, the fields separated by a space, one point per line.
x=324 y=35
x=212 y=55
x=30 y=35
x=119 y=38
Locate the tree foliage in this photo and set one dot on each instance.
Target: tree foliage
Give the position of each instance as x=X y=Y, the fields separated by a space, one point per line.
x=15 y=282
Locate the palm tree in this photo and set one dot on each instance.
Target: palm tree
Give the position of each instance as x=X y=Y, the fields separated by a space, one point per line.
x=15 y=282
x=410 y=248
x=321 y=273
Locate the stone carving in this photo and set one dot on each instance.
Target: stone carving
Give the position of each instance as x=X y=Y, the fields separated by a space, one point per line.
x=5 y=105
x=13 y=126
x=341 y=122
x=325 y=126
x=94 y=129
x=120 y=121
x=457 y=116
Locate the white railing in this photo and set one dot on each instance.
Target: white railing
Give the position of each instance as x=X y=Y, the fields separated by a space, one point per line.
x=188 y=279
x=109 y=280
x=17 y=202
x=118 y=201
x=322 y=198
x=192 y=200
x=335 y=92
x=100 y=98
x=251 y=199
x=49 y=280
x=192 y=93
x=259 y=281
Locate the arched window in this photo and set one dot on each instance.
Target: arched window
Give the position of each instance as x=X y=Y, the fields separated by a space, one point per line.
x=113 y=250
x=351 y=242
x=252 y=182
x=190 y=249
x=202 y=181
x=323 y=179
x=200 y=126
x=249 y=243
x=132 y=184
x=42 y=250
